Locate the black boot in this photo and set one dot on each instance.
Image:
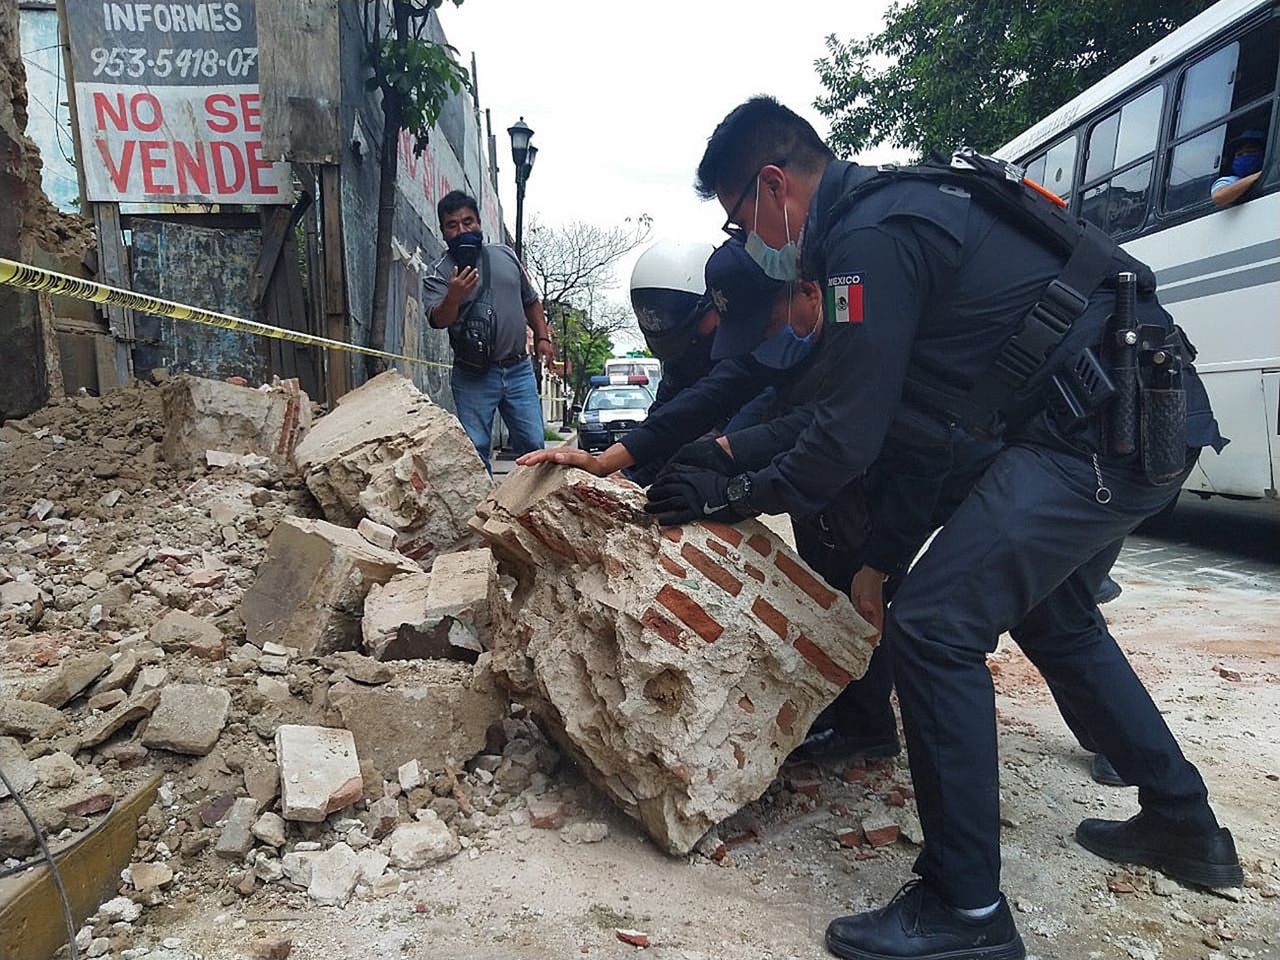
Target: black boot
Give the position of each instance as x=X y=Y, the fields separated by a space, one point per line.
x=917 y=925
x=1107 y=591
x=1205 y=860
x=831 y=748
x=1104 y=773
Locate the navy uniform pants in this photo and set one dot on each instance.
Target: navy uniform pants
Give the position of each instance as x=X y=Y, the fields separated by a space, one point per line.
x=1020 y=555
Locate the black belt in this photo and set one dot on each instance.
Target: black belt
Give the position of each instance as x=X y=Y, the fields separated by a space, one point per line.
x=510 y=361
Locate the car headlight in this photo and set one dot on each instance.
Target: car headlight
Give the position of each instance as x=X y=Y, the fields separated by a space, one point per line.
x=590 y=416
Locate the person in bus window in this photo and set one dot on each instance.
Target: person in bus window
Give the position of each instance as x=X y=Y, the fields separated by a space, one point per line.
x=1246 y=167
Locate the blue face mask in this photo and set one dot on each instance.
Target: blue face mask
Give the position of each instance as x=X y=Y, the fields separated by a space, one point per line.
x=786 y=349
x=1245 y=164
x=465 y=248
x=778 y=264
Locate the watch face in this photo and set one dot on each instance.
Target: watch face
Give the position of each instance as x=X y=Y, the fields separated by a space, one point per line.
x=738 y=488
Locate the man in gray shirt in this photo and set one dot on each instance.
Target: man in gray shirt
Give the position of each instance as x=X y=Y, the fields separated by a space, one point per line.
x=486 y=323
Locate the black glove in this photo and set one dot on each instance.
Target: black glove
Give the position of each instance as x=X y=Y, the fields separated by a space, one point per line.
x=690 y=494
x=703 y=454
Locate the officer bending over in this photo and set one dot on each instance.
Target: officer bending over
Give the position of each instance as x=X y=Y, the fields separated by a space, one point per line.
x=960 y=297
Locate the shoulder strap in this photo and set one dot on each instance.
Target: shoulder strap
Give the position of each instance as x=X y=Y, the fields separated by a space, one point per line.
x=485 y=273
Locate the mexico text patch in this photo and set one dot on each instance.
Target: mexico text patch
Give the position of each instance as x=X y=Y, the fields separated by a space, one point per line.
x=843 y=298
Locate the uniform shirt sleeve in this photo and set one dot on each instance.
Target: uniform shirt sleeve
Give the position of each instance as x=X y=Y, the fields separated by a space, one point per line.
x=436 y=285
x=755 y=447
x=694 y=410
x=868 y=340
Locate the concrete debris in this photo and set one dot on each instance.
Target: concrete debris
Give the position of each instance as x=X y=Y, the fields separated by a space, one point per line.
x=57 y=770
x=29 y=719
x=72 y=679
x=382 y=537
x=237 y=836
x=124 y=667
x=384 y=814
x=270 y=948
x=359 y=668
x=310 y=588
x=420 y=844
x=334 y=875
x=389 y=454
x=440 y=713
x=178 y=630
x=679 y=667
x=138 y=706
x=17 y=591
x=319 y=771
x=150 y=876
x=409 y=776
x=189 y=719
x=270 y=829
x=211 y=415
x=20 y=771
x=591 y=831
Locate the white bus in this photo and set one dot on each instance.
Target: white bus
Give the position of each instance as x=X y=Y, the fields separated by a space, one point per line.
x=635 y=366
x=1136 y=154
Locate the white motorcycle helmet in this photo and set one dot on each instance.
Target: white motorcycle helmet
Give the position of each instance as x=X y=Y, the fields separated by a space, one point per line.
x=668 y=294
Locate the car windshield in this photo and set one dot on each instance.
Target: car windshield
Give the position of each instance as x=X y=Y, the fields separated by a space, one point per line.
x=619 y=398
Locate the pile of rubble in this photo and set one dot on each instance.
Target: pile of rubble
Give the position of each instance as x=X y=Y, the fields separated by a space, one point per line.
x=341 y=672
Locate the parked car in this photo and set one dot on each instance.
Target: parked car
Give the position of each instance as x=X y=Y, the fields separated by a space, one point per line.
x=614 y=406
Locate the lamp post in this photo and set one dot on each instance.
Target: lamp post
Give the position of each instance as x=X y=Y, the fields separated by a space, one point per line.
x=522 y=155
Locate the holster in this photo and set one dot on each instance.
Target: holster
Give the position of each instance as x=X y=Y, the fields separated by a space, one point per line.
x=1163 y=430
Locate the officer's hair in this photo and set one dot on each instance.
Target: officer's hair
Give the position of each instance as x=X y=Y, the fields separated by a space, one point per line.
x=755 y=133
x=454 y=201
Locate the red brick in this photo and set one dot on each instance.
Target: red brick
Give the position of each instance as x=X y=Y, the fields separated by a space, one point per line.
x=821 y=662
x=664 y=628
x=880 y=831
x=546 y=815
x=756 y=572
x=688 y=612
x=850 y=838
x=760 y=544
x=739 y=757
x=633 y=937
x=906 y=792
x=809 y=788
x=822 y=595
x=770 y=616
x=672 y=533
x=854 y=774
x=786 y=718
x=672 y=567
x=723 y=531
x=895 y=799
x=1116 y=885
x=717 y=574
x=717 y=547
x=746 y=705
x=418 y=483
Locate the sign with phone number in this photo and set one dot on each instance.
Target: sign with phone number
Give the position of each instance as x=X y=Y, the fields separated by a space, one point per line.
x=168 y=103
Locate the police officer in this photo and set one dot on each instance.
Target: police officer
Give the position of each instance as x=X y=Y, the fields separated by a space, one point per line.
x=963 y=299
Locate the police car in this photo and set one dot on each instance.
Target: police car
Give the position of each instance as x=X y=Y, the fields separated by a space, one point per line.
x=615 y=404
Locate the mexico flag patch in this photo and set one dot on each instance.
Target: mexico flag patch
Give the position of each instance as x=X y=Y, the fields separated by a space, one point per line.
x=843 y=298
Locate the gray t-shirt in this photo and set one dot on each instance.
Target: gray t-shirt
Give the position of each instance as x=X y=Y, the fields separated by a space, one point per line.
x=509 y=292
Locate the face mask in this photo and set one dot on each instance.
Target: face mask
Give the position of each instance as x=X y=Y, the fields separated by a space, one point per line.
x=785 y=349
x=1246 y=164
x=777 y=264
x=465 y=248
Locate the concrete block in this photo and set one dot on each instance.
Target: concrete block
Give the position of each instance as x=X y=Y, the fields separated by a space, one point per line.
x=202 y=415
x=319 y=771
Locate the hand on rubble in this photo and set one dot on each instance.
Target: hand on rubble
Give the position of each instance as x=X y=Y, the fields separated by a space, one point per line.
x=687 y=494
x=867 y=593
x=702 y=454
x=565 y=457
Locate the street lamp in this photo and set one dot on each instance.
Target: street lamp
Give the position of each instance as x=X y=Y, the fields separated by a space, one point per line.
x=523 y=155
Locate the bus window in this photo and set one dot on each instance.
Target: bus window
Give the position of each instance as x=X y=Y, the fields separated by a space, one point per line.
x=1055 y=169
x=1124 y=141
x=1228 y=91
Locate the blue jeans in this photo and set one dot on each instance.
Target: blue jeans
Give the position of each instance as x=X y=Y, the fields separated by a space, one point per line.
x=512 y=390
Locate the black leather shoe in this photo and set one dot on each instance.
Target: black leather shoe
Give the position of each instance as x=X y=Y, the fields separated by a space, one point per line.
x=1205 y=860
x=917 y=925
x=830 y=748
x=1107 y=591
x=1104 y=773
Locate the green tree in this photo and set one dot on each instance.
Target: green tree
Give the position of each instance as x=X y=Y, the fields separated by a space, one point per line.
x=586 y=340
x=416 y=77
x=945 y=73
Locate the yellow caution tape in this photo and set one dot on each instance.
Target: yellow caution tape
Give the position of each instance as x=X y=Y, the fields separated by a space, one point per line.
x=35 y=278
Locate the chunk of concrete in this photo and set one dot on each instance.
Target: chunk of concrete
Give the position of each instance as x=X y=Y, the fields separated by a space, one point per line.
x=138 y=706
x=178 y=631
x=438 y=713
x=334 y=875
x=189 y=719
x=18 y=591
x=57 y=770
x=29 y=719
x=19 y=771
x=124 y=667
x=678 y=667
x=382 y=537
x=269 y=828
x=420 y=844
x=236 y=838
x=72 y=679
x=201 y=415
x=319 y=771
x=311 y=586
x=388 y=453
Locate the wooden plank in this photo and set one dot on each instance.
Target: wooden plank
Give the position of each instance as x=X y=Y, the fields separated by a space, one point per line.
x=113 y=269
x=30 y=908
x=299 y=77
x=337 y=367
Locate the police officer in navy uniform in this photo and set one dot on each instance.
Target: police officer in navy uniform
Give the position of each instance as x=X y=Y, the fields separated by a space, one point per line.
x=950 y=306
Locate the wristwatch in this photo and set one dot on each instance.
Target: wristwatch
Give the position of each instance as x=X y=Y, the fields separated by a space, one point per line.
x=738 y=491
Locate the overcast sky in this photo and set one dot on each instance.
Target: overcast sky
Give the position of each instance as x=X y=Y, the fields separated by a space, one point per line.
x=622 y=96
